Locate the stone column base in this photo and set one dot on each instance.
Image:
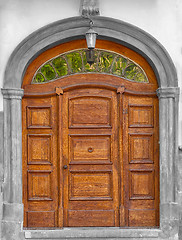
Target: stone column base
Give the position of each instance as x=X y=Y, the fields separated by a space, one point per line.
x=12 y=230
x=12 y=222
x=169 y=221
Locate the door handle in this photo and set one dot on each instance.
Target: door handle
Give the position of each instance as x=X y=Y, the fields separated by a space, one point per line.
x=90 y=149
x=65 y=166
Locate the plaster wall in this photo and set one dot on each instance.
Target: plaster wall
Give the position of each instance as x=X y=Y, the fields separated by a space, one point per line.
x=168 y=113
x=162 y=19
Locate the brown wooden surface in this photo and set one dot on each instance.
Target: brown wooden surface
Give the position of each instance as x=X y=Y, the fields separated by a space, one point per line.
x=90 y=154
x=40 y=162
x=141 y=160
x=105 y=130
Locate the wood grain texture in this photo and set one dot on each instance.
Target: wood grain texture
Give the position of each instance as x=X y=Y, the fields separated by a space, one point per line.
x=91 y=157
x=140 y=160
x=90 y=147
x=40 y=180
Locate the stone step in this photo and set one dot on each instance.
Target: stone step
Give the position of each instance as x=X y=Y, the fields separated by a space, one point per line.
x=94 y=233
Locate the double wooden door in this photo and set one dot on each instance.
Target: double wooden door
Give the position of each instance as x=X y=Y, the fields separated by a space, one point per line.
x=90 y=158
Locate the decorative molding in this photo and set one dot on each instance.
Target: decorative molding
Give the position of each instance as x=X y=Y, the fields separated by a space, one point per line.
x=59 y=91
x=169 y=92
x=75 y=28
x=89 y=7
x=121 y=89
x=12 y=93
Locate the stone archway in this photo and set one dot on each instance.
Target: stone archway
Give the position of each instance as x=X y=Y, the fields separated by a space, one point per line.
x=156 y=55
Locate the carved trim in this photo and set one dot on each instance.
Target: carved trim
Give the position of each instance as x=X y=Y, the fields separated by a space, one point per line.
x=121 y=89
x=170 y=92
x=12 y=93
x=59 y=91
x=89 y=8
x=107 y=28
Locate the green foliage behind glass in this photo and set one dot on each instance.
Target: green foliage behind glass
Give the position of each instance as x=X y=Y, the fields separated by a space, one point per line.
x=48 y=71
x=105 y=61
x=119 y=66
x=38 y=78
x=76 y=62
x=60 y=66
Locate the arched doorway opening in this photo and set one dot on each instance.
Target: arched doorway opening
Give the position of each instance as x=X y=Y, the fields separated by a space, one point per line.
x=90 y=139
x=124 y=34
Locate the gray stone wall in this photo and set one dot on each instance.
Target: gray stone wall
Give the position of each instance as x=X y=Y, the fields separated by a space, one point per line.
x=1 y=165
x=180 y=190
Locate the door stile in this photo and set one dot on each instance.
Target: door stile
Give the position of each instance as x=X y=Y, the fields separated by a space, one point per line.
x=116 y=174
x=120 y=92
x=125 y=158
x=59 y=92
x=156 y=160
x=65 y=154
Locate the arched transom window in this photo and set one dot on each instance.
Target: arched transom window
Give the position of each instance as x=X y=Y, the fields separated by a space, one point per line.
x=74 y=62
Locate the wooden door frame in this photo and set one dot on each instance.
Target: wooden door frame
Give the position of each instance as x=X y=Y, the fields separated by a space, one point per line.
x=168 y=93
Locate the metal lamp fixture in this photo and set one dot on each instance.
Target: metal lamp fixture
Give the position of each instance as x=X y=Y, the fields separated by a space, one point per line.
x=91 y=36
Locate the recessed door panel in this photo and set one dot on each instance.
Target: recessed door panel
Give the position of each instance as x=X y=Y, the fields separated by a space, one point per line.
x=39 y=148
x=90 y=186
x=141 y=115
x=92 y=112
x=39 y=116
x=91 y=218
x=90 y=149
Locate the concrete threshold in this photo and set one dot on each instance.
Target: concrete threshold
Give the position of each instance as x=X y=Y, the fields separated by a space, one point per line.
x=94 y=233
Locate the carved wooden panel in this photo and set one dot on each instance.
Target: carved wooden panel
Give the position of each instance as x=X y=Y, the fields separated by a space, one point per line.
x=39 y=117
x=142 y=184
x=141 y=161
x=142 y=218
x=90 y=149
x=39 y=148
x=91 y=156
x=141 y=116
x=39 y=185
x=89 y=218
x=40 y=219
x=141 y=148
x=90 y=186
x=90 y=112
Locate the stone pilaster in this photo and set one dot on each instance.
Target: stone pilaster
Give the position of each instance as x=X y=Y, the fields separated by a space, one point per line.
x=168 y=120
x=12 y=216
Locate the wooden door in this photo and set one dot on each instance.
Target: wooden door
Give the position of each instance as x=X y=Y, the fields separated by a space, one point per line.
x=90 y=145
x=90 y=158
x=140 y=161
x=40 y=158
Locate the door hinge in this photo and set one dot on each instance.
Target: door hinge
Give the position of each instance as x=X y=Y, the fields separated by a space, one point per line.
x=59 y=91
